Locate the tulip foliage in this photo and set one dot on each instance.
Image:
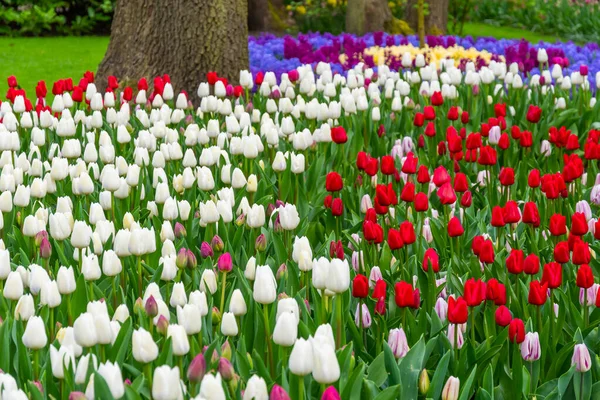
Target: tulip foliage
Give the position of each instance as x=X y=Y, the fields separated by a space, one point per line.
x=424 y=233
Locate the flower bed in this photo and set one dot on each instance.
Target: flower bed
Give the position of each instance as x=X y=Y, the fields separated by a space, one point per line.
x=281 y=54
x=429 y=233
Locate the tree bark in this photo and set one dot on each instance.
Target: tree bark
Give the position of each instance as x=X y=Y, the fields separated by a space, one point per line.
x=182 y=38
x=364 y=16
x=435 y=22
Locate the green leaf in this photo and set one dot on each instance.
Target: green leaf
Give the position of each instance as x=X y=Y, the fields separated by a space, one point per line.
x=391 y=365
x=466 y=389
x=439 y=376
x=390 y=393
x=353 y=386
x=564 y=380
x=376 y=371
x=101 y=390
x=410 y=368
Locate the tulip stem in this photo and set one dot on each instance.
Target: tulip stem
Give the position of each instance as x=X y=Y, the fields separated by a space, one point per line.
x=223 y=283
x=539 y=317
x=36 y=365
x=268 y=335
x=300 y=388
x=339 y=320
x=456 y=328
x=472 y=316
x=139 y=271
x=586 y=310
x=148 y=373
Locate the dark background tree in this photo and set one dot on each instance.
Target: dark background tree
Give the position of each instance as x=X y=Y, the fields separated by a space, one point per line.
x=436 y=18
x=364 y=16
x=182 y=38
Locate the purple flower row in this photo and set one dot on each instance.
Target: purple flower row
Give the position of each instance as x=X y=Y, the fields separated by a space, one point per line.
x=281 y=54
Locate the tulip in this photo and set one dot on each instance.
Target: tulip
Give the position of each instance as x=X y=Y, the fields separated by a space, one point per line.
x=13 y=289
x=516 y=331
x=179 y=339
x=208 y=281
x=299 y=363
x=330 y=393
x=265 y=291
x=326 y=368
x=34 y=336
x=60 y=359
x=211 y=388
x=362 y=318
x=237 y=304
x=530 y=347
x=581 y=358
x=278 y=393
x=398 y=343
x=226 y=369
x=197 y=368
x=165 y=383
x=229 y=325
x=451 y=388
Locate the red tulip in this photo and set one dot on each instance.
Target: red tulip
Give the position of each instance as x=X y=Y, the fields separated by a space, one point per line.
x=558 y=225
x=372 y=232
x=423 y=175
x=464 y=117
x=498 y=217
x=531 y=214
x=516 y=331
x=538 y=292
x=585 y=277
x=361 y=160
x=503 y=316
x=512 y=215
x=500 y=110
x=531 y=265
x=446 y=194
x=430 y=129
x=404 y=294
x=507 y=176
x=338 y=134
x=440 y=176
x=496 y=292
x=476 y=244
x=380 y=289
x=372 y=166
x=388 y=166
x=474 y=292
x=457 y=310
x=514 y=262
x=419 y=119
x=452 y=113
x=552 y=275
x=534 y=113
x=486 y=253
x=437 y=99
x=455 y=228
x=327 y=201
x=12 y=81
x=421 y=202
x=408 y=193
x=581 y=253
x=487 y=156
x=534 y=178
x=395 y=239
x=337 y=207
x=432 y=258
x=429 y=113
x=561 y=252
x=380 y=306
x=360 y=286
x=579 y=224
x=466 y=199
x=410 y=164
x=333 y=182
x=407 y=230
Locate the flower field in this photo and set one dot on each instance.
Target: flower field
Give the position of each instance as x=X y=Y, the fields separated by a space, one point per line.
x=349 y=222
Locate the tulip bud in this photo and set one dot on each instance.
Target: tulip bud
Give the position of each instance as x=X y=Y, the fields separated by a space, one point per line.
x=179 y=230
x=151 y=307
x=138 y=306
x=76 y=396
x=206 y=250
x=261 y=243
x=581 y=358
x=226 y=350
x=162 y=325
x=281 y=272
x=181 y=260
x=224 y=263
x=424 y=382
x=191 y=261
x=217 y=243
x=450 y=391
x=330 y=394
x=226 y=369
x=45 y=249
x=278 y=393
x=216 y=316
x=197 y=368
x=39 y=237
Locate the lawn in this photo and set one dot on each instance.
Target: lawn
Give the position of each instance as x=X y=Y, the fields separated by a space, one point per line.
x=48 y=58
x=52 y=58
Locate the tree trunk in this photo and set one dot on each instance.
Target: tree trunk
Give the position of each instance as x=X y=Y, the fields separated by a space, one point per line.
x=435 y=22
x=182 y=38
x=266 y=15
x=364 y=16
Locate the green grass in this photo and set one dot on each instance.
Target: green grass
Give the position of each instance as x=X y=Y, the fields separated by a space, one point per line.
x=49 y=59
x=53 y=58
x=477 y=29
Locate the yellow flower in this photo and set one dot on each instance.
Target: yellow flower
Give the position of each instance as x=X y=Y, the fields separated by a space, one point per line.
x=301 y=10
